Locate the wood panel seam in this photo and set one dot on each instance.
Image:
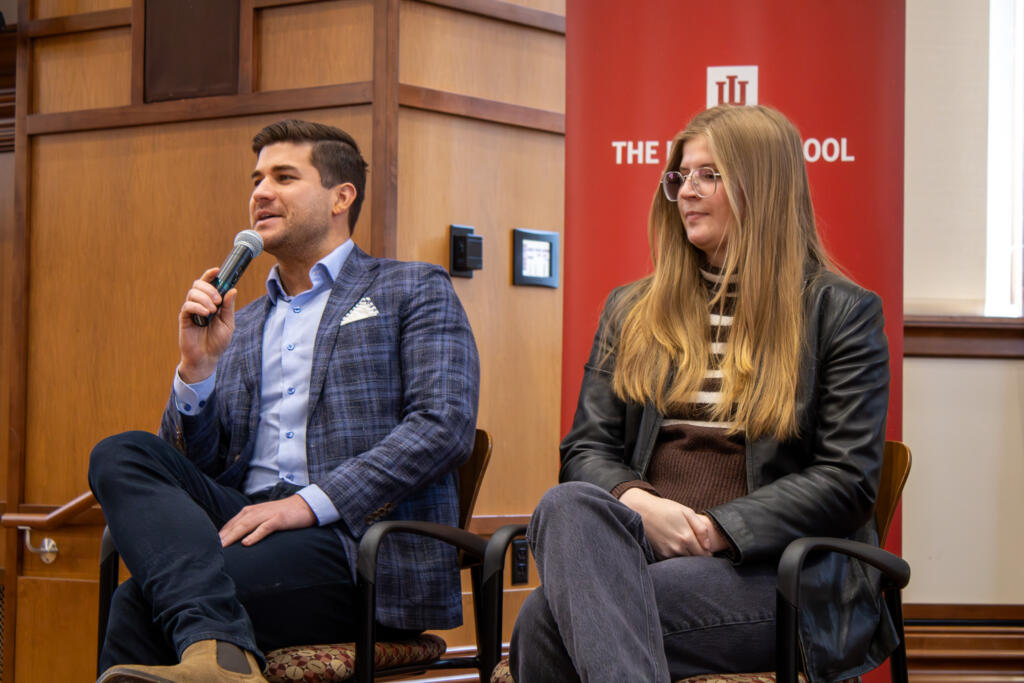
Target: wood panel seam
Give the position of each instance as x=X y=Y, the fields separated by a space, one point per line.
x=441 y=101
x=507 y=12
x=202 y=108
x=76 y=23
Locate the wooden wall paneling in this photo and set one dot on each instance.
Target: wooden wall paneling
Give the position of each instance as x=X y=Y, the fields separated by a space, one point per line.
x=78 y=552
x=82 y=71
x=191 y=49
x=322 y=43
x=468 y=54
x=246 y=46
x=137 y=78
x=494 y=178
x=151 y=208
x=385 y=128
x=44 y=9
x=56 y=631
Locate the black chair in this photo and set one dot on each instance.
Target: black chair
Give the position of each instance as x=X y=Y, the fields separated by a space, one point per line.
x=894 y=570
x=346 y=661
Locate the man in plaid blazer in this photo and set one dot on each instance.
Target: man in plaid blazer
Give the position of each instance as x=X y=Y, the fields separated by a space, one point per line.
x=346 y=395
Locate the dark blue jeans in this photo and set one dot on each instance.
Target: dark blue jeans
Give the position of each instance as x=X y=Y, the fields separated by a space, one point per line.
x=607 y=611
x=293 y=587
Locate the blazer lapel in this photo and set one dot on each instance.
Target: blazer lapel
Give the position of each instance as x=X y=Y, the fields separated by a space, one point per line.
x=349 y=287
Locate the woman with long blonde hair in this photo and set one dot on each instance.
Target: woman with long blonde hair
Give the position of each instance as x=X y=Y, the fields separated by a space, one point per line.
x=734 y=400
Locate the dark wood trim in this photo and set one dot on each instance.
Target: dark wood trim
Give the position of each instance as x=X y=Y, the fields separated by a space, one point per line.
x=963 y=337
x=506 y=11
x=485 y=525
x=17 y=357
x=971 y=643
x=384 y=164
x=138 y=73
x=77 y=23
x=419 y=97
x=200 y=108
x=317 y=97
x=958 y=612
x=265 y=4
x=968 y=654
x=7 y=112
x=246 y=47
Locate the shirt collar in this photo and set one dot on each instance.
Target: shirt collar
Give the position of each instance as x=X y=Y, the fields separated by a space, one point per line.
x=322 y=274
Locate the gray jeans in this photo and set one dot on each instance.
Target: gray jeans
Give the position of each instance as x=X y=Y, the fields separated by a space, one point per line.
x=607 y=611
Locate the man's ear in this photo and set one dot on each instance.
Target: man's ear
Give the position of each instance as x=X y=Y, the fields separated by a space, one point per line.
x=343 y=195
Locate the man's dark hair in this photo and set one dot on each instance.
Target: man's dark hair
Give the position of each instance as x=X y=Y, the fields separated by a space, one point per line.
x=335 y=155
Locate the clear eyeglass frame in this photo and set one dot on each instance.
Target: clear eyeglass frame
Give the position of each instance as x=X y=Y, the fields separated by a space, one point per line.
x=703 y=180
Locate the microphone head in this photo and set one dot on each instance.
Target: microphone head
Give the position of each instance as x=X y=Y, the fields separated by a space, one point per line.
x=250 y=239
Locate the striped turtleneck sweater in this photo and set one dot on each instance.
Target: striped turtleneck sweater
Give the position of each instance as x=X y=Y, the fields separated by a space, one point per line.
x=694 y=461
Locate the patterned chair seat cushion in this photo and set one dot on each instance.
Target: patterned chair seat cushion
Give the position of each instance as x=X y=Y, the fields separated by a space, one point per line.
x=336 y=662
x=501 y=674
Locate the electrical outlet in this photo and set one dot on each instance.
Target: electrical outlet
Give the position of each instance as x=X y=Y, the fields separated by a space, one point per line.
x=520 y=561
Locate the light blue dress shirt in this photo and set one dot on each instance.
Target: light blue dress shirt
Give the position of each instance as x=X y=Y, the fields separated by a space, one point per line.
x=289 y=335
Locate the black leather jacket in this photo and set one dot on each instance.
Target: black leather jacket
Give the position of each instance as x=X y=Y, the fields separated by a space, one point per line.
x=822 y=483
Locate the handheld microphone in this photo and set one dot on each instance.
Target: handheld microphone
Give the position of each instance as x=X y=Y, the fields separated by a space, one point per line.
x=248 y=245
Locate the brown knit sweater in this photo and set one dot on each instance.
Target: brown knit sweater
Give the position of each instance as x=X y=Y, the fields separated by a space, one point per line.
x=694 y=461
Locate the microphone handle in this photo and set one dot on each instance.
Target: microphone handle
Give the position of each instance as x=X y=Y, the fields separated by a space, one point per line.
x=232 y=269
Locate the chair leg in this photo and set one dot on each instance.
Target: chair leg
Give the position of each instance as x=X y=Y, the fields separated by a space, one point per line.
x=109 y=568
x=787 y=655
x=482 y=613
x=367 y=636
x=898 y=658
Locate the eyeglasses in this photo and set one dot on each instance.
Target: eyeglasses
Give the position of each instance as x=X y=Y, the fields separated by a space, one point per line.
x=703 y=180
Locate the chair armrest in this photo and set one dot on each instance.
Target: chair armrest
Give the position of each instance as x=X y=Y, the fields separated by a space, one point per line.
x=894 y=569
x=369 y=545
x=366 y=577
x=895 y=573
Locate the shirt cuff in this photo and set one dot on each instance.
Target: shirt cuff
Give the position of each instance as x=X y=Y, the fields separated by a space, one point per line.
x=190 y=399
x=320 y=504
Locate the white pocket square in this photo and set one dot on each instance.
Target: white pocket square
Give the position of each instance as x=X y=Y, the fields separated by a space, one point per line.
x=363 y=309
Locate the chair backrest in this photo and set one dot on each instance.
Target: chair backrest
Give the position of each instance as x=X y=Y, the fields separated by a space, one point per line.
x=895 y=469
x=471 y=476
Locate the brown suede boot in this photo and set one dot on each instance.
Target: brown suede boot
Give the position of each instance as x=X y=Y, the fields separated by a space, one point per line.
x=205 y=661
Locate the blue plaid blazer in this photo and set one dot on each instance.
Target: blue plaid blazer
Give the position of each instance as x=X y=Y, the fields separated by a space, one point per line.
x=392 y=413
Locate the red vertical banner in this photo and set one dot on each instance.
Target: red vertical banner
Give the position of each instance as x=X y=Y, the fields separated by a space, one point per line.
x=638 y=71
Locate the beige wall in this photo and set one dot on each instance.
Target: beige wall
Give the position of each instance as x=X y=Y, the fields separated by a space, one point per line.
x=962 y=508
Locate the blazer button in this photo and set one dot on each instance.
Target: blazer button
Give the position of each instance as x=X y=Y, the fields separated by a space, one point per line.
x=237 y=458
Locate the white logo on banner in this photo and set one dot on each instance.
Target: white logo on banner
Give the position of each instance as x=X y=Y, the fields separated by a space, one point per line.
x=732 y=85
